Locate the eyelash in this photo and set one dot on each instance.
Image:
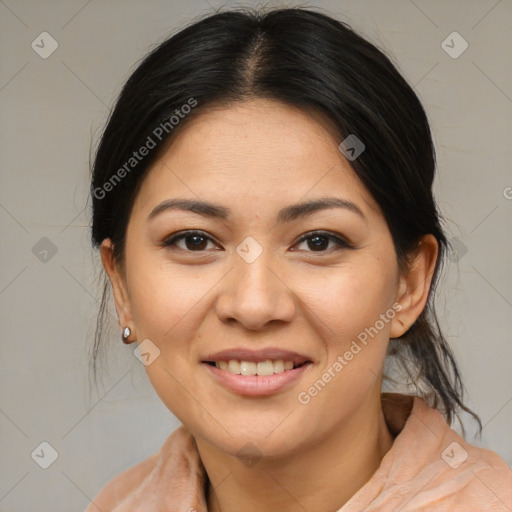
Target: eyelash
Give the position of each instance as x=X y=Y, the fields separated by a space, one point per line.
x=341 y=243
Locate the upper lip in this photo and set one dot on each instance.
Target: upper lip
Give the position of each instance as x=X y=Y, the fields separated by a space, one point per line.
x=256 y=356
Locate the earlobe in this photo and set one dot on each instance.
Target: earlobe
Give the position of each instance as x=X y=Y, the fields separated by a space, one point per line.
x=414 y=286
x=118 y=284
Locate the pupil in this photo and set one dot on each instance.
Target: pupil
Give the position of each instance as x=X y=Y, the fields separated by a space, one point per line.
x=197 y=244
x=319 y=238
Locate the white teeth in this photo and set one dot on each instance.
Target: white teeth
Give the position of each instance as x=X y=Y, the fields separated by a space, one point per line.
x=247 y=368
x=278 y=366
x=265 y=368
x=262 y=368
x=234 y=367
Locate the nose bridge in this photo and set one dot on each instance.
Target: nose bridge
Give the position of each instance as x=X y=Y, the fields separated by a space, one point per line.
x=253 y=294
x=253 y=269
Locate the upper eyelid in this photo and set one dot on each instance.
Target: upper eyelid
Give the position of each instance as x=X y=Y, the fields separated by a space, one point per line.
x=191 y=232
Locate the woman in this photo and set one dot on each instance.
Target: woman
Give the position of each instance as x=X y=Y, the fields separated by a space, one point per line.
x=262 y=200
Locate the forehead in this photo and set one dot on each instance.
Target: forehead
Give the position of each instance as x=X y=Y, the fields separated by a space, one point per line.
x=258 y=152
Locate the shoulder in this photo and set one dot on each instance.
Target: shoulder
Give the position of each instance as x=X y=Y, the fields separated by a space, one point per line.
x=491 y=478
x=467 y=476
x=433 y=468
x=123 y=485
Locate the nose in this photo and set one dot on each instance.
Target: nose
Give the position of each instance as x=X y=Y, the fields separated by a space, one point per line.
x=254 y=295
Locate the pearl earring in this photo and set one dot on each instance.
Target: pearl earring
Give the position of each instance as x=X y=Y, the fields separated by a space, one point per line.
x=126 y=332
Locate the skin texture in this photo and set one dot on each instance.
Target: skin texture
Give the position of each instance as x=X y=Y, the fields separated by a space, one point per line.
x=255 y=158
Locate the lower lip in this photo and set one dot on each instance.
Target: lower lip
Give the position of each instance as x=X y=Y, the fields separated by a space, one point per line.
x=257 y=385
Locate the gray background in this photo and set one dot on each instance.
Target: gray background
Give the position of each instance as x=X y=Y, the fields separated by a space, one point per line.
x=51 y=109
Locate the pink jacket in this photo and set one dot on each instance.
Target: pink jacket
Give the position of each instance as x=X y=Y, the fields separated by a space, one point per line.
x=428 y=468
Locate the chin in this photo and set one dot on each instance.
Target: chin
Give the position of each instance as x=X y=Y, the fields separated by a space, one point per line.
x=245 y=439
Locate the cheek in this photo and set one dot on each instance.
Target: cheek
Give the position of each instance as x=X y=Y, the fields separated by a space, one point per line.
x=351 y=303
x=166 y=306
x=350 y=298
x=163 y=299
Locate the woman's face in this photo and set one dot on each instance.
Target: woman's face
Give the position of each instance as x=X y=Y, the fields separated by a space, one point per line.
x=257 y=283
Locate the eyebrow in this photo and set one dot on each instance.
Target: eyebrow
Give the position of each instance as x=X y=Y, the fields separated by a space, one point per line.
x=287 y=214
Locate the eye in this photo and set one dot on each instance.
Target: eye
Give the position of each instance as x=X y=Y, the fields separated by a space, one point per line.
x=195 y=241
x=319 y=241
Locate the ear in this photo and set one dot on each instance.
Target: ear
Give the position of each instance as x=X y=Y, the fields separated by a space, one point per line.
x=118 y=284
x=414 y=286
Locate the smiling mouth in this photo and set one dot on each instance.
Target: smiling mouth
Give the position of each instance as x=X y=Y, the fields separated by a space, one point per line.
x=261 y=368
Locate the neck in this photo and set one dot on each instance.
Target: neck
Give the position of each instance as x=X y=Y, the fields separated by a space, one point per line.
x=321 y=477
